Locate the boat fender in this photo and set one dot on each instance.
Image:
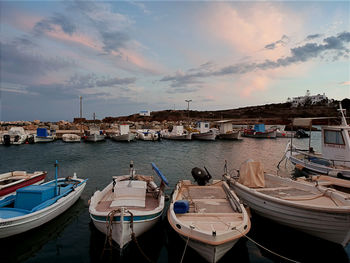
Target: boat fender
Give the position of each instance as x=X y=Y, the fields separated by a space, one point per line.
x=181 y=207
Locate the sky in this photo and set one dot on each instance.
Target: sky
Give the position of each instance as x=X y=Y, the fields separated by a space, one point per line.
x=126 y=56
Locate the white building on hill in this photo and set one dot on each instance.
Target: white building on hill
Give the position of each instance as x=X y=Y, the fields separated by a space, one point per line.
x=312 y=99
x=145 y=113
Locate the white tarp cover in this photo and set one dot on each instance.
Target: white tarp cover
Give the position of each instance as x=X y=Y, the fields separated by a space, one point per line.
x=251 y=174
x=130 y=193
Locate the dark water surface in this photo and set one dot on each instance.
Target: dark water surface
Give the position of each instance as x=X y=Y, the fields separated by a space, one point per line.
x=72 y=237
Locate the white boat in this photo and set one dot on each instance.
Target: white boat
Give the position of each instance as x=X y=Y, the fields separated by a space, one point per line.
x=123 y=134
x=335 y=157
x=16 y=135
x=42 y=135
x=226 y=131
x=205 y=133
x=95 y=136
x=128 y=207
x=311 y=208
x=68 y=137
x=210 y=218
x=177 y=133
x=147 y=135
x=35 y=205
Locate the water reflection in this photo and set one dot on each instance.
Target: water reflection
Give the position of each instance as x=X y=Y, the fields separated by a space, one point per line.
x=293 y=244
x=22 y=247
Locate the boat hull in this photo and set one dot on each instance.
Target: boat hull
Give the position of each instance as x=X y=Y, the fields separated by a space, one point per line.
x=207 y=136
x=21 y=224
x=183 y=137
x=39 y=139
x=331 y=226
x=95 y=138
x=267 y=135
x=124 y=137
x=13 y=188
x=316 y=167
x=121 y=231
x=230 y=136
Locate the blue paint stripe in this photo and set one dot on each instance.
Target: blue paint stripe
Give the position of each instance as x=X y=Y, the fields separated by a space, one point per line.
x=127 y=218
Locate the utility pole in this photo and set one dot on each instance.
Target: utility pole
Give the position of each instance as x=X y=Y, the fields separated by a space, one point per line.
x=81 y=107
x=188 y=108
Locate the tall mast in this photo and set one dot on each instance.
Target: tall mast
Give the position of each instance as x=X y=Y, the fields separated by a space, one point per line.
x=343 y=119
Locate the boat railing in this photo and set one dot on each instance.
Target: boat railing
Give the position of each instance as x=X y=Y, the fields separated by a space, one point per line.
x=309 y=155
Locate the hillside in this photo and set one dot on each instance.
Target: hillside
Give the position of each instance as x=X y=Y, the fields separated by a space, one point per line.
x=280 y=113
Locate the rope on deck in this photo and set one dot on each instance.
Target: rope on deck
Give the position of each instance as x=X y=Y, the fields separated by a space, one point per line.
x=183 y=254
x=268 y=250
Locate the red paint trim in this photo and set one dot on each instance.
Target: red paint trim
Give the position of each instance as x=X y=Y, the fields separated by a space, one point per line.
x=13 y=188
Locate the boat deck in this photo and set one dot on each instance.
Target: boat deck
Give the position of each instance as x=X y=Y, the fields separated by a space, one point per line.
x=105 y=204
x=210 y=209
x=298 y=195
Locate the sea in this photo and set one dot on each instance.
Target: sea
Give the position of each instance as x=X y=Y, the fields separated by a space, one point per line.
x=72 y=237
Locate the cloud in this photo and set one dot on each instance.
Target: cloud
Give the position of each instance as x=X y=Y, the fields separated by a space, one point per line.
x=313 y=36
x=282 y=42
x=16 y=60
x=299 y=54
x=113 y=41
x=47 y=24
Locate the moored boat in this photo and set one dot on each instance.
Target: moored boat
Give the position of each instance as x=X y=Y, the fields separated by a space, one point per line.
x=71 y=137
x=124 y=134
x=205 y=133
x=259 y=131
x=95 y=136
x=209 y=218
x=147 y=135
x=311 y=208
x=335 y=157
x=177 y=133
x=11 y=181
x=42 y=136
x=35 y=205
x=129 y=206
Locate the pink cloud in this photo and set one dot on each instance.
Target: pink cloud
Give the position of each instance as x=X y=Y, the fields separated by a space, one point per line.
x=23 y=20
x=249 y=30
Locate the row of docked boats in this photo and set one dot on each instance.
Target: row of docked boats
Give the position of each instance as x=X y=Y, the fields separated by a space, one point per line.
x=209 y=217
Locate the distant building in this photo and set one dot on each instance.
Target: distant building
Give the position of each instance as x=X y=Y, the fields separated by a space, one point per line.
x=145 y=113
x=311 y=99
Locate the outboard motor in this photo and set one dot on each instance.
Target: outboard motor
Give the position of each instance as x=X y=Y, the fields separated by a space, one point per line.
x=7 y=139
x=200 y=176
x=30 y=139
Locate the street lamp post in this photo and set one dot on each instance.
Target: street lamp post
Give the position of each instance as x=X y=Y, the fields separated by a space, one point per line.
x=188 y=108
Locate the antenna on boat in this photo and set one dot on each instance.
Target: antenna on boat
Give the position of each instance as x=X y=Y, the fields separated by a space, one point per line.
x=343 y=119
x=56 y=172
x=132 y=171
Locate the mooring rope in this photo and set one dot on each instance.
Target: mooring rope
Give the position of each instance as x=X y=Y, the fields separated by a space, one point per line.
x=270 y=251
x=109 y=226
x=133 y=237
x=183 y=254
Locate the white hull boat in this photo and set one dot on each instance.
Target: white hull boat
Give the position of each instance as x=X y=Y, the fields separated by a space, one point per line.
x=183 y=137
x=95 y=138
x=335 y=157
x=124 y=137
x=41 y=139
x=311 y=208
x=147 y=135
x=26 y=216
x=16 y=136
x=128 y=207
x=206 y=136
x=233 y=135
x=71 y=138
x=209 y=218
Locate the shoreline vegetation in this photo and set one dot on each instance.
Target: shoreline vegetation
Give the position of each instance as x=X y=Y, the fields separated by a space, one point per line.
x=270 y=114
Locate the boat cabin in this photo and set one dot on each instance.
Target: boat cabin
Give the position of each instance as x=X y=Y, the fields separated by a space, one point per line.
x=203 y=126
x=124 y=129
x=336 y=144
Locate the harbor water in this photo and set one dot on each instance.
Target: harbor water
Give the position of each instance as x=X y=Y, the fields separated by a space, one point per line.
x=72 y=237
